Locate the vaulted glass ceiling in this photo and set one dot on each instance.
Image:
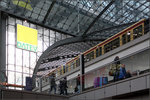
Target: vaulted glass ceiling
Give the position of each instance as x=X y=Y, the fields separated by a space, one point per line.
x=95 y=20
x=78 y=17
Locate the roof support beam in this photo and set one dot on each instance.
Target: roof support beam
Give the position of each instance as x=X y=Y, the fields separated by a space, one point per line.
x=90 y=26
x=118 y=26
x=49 y=10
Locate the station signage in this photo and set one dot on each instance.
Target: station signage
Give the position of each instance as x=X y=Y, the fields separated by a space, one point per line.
x=26 y=38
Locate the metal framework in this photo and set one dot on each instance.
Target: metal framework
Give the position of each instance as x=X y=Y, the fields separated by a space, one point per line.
x=85 y=20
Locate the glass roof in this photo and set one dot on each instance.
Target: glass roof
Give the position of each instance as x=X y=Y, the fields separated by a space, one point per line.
x=96 y=20
x=78 y=17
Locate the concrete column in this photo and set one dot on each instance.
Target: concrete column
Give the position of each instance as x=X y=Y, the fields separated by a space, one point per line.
x=2 y=46
x=82 y=72
x=40 y=84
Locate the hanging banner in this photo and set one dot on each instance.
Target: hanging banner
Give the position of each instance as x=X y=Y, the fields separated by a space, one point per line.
x=26 y=38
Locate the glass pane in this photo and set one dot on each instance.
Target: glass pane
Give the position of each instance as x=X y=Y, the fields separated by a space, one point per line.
x=32 y=59
x=52 y=41
x=11 y=67
x=40 y=29
x=52 y=33
x=58 y=36
x=18 y=21
x=11 y=54
x=31 y=72
x=40 y=43
x=25 y=70
x=46 y=42
x=11 y=35
x=32 y=26
x=46 y=32
x=19 y=78
x=25 y=23
x=11 y=77
x=11 y=21
x=26 y=58
x=18 y=68
x=19 y=57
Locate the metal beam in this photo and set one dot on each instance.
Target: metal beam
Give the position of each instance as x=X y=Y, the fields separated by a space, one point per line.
x=49 y=10
x=101 y=13
x=110 y=28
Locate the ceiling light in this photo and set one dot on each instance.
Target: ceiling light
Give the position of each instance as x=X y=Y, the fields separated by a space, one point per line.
x=128 y=33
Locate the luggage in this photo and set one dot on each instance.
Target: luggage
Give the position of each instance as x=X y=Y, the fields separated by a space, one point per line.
x=96 y=82
x=103 y=81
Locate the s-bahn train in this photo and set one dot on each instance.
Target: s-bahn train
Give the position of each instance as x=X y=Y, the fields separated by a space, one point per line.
x=129 y=34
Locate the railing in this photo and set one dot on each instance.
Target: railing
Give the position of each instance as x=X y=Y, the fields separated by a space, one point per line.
x=137 y=64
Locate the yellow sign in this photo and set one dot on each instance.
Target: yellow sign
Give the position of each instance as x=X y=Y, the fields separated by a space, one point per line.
x=26 y=38
x=25 y=4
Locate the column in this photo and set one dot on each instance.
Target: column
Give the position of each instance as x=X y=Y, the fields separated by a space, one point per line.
x=3 y=17
x=82 y=73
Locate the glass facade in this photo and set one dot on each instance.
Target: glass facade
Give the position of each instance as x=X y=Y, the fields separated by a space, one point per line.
x=20 y=63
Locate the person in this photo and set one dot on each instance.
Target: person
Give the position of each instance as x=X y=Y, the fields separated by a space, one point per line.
x=122 y=72
x=76 y=89
x=78 y=83
x=117 y=60
x=52 y=83
x=128 y=74
x=61 y=87
x=65 y=86
x=117 y=69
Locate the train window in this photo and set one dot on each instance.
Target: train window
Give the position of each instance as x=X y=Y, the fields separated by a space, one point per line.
x=78 y=62
x=124 y=39
x=71 y=66
x=92 y=55
x=97 y=52
x=100 y=51
x=115 y=43
x=107 y=47
x=137 y=32
x=146 y=26
x=88 y=57
x=74 y=65
x=66 y=68
x=61 y=71
x=128 y=36
x=85 y=58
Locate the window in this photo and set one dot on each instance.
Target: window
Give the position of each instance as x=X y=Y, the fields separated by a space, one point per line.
x=21 y=63
x=98 y=51
x=78 y=62
x=137 y=32
x=112 y=45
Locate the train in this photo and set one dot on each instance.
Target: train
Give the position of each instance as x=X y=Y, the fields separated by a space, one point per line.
x=129 y=34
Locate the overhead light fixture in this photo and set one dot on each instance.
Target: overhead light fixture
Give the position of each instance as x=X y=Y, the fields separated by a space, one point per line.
x=25 y=21
x=128 y=33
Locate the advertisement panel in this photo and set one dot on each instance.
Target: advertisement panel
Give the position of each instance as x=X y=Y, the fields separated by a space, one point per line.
x=26 y=38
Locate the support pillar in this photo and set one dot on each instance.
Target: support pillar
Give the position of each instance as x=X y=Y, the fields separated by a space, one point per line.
x=40 y=84
x=3 y=17
x=82 y=73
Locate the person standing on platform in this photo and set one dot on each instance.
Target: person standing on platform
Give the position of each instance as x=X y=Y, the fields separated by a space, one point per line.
x=65 y=86
x=117 y=64
x=52 y=83
x=78 y=83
